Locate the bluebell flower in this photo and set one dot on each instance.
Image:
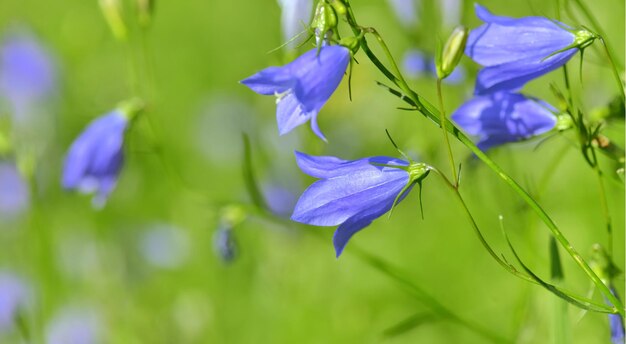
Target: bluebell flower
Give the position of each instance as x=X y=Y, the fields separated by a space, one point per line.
x=164 y=246
x=616 y=324
x=406 y=11
x=504 y=117
x=295 y=18
x=95 y=158
x=14 y=192
x=517 y=50
x=14 y=295
x=303 y=86
x=75 y=325
x=27 y=73
x=224 y=244
x=350 y=194
x=418 y=64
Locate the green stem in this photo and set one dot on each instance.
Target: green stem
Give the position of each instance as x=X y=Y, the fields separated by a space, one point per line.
x=432 y=113
x=442 y=112
x=598 y=28
x=620 y=84
x=603 y=202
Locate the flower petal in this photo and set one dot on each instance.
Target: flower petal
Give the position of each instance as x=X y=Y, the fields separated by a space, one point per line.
x=330 y=166
x=270 y=81
x=289 y=114
x=512 y=76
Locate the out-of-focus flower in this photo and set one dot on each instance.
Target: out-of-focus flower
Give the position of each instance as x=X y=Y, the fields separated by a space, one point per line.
x=451 y=12
x=75 y=325
x=95 y=158
x=406 y=11
x=14 y=192
x=303 y=86
x=616 y=324
x=14 y=295
x=27 y=73
x=418 y=64
x=279 y=199
x=352 y=194
x=517 y=50
x=164 y=246
x=224 y=244
x=504 y=117
x=295 y=18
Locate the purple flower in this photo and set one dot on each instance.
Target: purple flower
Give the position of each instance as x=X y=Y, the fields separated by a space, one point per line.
x=75 y=325
x=14 y=192
x=406 y=11
x=504 y=117
x=14 y=295
x=27 y=74
x=295 y=18
x=303 y=86
x=95 y=158
x=616 y=324
x=164 y=246
x=517 y=50
x=224 y=244
x=350 y=194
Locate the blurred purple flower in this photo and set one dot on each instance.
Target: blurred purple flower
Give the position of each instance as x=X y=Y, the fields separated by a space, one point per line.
x=14 y=295
x=406 y=11
x=616 y=324
x=295 y=18
x=517 y=50
x=504 y=117
x=74 y=326
x=224 y=244
x=303 y=86
x=279 y=199
x=95 y=159
x=350 y=194
x=451 y=12
x=14 y=192
x=164 y=246
x=27 y=73
x=417 y=64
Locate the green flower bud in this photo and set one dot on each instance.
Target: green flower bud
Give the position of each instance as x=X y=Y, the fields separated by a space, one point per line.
x=583 y=38
x=563 y=122
x=339 y=7
x=452 y=52
x=145 y=9
x=324 y=19
x=112 y=11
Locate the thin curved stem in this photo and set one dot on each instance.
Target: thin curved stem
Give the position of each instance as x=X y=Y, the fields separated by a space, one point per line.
x=446 y=140
x=432 y=113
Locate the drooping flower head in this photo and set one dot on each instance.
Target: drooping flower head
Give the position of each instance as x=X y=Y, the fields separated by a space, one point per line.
x=75 y=325
x=224 y=244
x=406 y=11
x=95 y=158
x=14 y=192
x=517 y=50
x=27 y=73
x=504 y=117
x=303 y=86
x=350 y=194
x=295 y=17
x=14 y=295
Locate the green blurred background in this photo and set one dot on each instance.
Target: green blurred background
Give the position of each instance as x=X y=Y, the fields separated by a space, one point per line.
x=285 y=285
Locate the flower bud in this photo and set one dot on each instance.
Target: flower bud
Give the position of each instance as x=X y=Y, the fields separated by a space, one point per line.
x=324 y=20
x=145 y=9
x=112 y=11
x=452 y=52
x=339 y=7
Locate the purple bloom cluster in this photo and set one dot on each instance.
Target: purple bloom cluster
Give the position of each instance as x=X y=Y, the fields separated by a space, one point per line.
x=513 y=51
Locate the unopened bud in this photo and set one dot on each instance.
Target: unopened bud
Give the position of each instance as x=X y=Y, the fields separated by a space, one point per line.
x=112 y=11
x=452 y=52
x=324 y=20
x=145 y=9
